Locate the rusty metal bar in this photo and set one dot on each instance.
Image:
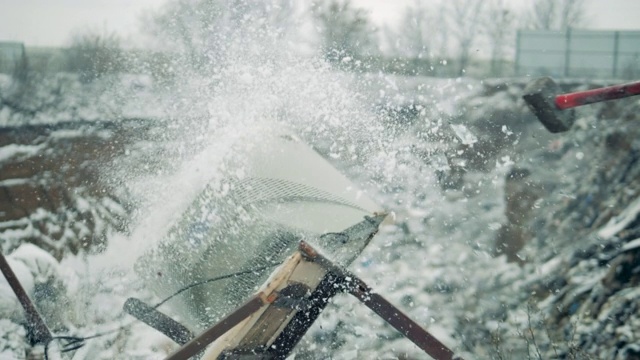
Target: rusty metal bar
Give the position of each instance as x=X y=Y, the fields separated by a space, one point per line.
x=210 y=335
x=404 y=324
x=37 y=330
x=391 y=314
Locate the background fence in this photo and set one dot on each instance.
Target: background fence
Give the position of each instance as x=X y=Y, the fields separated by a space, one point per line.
x=578 y=53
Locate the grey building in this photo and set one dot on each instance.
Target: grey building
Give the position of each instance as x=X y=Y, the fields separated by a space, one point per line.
x=11 y=53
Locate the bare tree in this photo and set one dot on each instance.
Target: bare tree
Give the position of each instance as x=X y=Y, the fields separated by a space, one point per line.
x=442 y=35
x=557 y=14
x=414 y=39
x=202 y=31
x=499 y=27
x=543 y=14
x=187 y=27
x=572 y=13
x=465 y=18
x=345 y=30
x=94 y=53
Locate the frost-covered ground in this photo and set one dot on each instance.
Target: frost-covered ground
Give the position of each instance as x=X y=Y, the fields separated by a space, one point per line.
x=460 y=162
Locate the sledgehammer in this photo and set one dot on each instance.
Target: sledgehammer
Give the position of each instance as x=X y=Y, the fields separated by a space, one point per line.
x=555 y=111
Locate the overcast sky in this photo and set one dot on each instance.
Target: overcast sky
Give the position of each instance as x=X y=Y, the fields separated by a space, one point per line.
x=603 y=14
x=50 y=22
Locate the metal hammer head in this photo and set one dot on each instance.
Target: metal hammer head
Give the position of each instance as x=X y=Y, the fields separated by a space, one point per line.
x=540 y=95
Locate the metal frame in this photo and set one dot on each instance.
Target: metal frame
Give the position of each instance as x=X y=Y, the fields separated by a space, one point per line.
x=337 y=279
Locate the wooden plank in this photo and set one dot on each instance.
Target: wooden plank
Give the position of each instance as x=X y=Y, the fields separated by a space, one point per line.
x=200 y=342
x=269 y=322
x=309 y=274
x=233 y=337
x=275 y=318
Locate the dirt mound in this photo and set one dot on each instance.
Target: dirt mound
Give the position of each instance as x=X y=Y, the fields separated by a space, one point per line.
x=54 y=186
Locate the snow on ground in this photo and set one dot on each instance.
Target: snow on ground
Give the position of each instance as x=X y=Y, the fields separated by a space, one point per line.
x=15 y=150
x=460 y=162
x=52 y=99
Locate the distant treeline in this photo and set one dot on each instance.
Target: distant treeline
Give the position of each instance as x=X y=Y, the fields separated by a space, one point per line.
x=448 y=38
x=92 y=62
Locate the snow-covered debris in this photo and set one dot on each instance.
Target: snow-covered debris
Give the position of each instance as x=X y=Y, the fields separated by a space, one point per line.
x=13 y=340
x=16 y=150
x=43 y=267
x=465 y=136
x=620 y=222
x=62 y=97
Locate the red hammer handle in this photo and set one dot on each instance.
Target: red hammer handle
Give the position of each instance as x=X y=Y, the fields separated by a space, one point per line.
x=571 y=100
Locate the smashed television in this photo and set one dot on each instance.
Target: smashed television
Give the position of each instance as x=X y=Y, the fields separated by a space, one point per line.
x=239 y=229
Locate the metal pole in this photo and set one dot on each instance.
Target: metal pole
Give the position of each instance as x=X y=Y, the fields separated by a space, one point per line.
x=567 y=53
x=401 y=322
x=383 y=308
x=37 y=330
x=517 y=69
x=616 y=40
